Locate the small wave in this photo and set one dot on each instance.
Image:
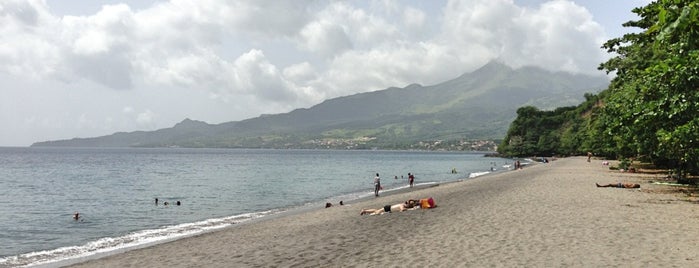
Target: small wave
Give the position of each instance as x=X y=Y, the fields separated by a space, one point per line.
x=399 y=188
x=135 y=239
x=477 y=174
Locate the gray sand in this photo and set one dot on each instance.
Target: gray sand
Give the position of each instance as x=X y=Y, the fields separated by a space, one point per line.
x=546 y=215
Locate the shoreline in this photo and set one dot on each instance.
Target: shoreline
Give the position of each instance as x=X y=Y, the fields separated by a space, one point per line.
x=544 y=215
x=251 y=219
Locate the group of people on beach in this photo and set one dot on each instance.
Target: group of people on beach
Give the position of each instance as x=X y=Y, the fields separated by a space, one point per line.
x=377 y=182
x=77 y=216
x=410 y=204
x=518 y=165
x=407 y=205
x=328 y=204
x=167 y=203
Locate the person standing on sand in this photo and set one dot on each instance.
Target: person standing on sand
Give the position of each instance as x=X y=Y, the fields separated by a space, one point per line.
x=377 y=184
x=589 y=156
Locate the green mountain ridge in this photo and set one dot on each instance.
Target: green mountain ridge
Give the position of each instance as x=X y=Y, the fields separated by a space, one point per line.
x=474 y=106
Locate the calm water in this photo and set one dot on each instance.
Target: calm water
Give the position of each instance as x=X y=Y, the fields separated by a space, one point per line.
x=114 y=191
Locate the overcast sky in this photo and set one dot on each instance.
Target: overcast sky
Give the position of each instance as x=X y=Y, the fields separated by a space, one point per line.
x=72 y=68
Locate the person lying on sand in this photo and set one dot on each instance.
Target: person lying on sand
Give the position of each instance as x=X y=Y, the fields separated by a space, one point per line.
x=410 y=204
x=620 y=185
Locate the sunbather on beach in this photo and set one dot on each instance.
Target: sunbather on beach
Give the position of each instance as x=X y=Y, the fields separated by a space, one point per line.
x=620 y=185
x=410 y=204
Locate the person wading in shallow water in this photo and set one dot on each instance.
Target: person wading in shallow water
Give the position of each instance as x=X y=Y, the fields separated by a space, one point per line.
x=377 y=184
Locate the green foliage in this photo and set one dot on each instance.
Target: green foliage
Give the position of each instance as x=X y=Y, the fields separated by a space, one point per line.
x=535 y=132
x=650 y=109
x=624 y=164
x=564 y=131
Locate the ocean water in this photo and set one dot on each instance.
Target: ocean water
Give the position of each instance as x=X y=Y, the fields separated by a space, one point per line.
x=114 y=191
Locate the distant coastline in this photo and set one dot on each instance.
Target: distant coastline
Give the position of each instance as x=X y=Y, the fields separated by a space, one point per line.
x=489 y=147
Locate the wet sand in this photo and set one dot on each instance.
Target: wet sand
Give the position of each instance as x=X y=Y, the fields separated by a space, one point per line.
x=546 y=215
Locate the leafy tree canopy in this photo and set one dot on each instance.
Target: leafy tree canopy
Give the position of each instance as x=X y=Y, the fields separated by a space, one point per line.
x=653 y=102
x=651 y=108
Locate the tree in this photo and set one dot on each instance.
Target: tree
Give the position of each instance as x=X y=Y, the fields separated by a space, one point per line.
x=536 y=132
x=654 y=100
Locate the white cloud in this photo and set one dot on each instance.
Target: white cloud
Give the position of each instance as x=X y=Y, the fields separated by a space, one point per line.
x=559 y=35
x=180 y=43
x=28 y=38
x=472 y=33
x=108 y=29
x=251 y=57
x=146 y=118
x=266 y=17
x=300 y=73
x=391 y=65
x=253 y=74
x=366 y=30
x=414 y=19
x=174 y=43
x=325 y=38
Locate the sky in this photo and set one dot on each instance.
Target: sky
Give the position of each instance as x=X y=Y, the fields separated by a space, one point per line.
x=74 y=68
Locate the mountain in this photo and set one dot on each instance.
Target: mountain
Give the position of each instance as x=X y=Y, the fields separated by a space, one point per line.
x=476 y=105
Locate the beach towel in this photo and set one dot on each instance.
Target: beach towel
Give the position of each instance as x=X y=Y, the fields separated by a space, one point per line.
x=427 y=203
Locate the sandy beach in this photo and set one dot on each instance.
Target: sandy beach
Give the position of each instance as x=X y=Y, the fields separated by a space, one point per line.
x=546 y=215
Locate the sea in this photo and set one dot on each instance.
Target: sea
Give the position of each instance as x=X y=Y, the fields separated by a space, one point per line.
x=114 y=192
